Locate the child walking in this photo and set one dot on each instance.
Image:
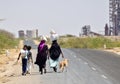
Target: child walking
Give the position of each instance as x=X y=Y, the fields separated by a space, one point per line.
x=23 y=54
x=30 y=60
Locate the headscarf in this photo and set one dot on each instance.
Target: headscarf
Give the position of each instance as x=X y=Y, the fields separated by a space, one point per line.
x=41 y=45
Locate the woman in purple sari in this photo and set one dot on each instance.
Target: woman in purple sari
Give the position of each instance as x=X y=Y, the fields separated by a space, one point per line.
x=42 y=55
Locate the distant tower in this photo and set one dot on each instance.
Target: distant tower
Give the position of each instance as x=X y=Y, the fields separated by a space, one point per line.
x=114 y=17
x=32 y=33
x=21 y=34
x=29 y=33
x=36 y=33
x=86 y=30
x=106 y=30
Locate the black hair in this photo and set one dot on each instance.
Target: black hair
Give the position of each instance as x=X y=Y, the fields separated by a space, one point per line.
x=55 y=41
x=25 y=46
x=29 y=47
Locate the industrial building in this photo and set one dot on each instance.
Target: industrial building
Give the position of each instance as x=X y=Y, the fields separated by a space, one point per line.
x=21 y=34
x=114 y=17
x=29 y=33
x=86 y=31
x=32 y=33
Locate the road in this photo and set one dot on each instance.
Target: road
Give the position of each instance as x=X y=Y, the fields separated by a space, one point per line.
x=104 y=62
x=85 y=67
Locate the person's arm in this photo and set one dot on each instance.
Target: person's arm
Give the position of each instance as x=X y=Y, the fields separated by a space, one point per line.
x=19 y=56
x=61 y=52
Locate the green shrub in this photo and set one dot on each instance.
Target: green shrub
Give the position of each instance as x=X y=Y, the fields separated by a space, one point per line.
x=88 y=42
x=7 y=40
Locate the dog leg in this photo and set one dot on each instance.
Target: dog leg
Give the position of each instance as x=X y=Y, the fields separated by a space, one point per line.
x=62 y=69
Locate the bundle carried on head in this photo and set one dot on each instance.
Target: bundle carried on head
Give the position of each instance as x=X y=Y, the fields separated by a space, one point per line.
x=43 y=38
x=54 y=36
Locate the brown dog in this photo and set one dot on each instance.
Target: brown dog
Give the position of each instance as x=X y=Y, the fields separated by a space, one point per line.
x=63 y=64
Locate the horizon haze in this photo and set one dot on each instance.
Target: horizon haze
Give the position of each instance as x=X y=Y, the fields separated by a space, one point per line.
x=64 y=16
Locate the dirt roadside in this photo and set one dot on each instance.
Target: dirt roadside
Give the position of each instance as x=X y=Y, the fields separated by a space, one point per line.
x=8 y=65
x=114 y=50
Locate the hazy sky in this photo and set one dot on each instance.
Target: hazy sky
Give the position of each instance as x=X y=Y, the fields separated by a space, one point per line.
x=64 y=16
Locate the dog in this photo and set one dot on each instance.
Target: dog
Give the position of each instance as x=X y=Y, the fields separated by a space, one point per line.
x=63 y=64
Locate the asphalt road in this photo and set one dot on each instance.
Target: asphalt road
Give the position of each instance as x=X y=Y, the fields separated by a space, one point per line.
x=85 y=67
x=105 y=62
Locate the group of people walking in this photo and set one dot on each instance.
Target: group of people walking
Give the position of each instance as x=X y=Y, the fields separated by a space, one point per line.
x=43 y=53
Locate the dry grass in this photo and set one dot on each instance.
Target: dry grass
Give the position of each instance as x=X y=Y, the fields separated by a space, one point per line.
x=5 y=59
x=6 y=63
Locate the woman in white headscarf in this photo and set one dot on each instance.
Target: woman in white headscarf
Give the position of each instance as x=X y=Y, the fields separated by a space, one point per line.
x=54 y=35
x=54 y=51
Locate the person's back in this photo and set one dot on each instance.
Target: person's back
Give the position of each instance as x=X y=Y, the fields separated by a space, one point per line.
x=29 y=55
x=30 y=60
x=42 y=55
x=55 y=50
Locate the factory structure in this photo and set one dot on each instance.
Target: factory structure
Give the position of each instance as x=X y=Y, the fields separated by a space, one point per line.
x=86 y=31
x=28 y=33
x=21 y=34
x=32 y=33
x=114 y=18
x=113 y=28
